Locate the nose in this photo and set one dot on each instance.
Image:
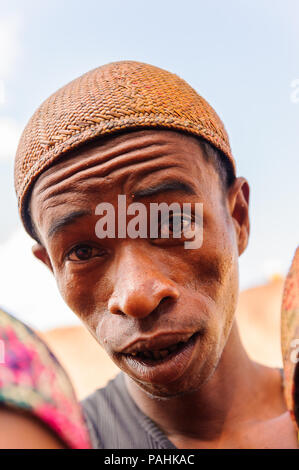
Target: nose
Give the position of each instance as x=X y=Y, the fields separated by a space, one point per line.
x=139 y=285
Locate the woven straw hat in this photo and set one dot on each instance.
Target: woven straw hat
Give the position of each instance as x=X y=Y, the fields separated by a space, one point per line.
x=115 y=97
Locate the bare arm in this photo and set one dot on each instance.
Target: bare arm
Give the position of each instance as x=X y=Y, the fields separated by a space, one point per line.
x=21 y=431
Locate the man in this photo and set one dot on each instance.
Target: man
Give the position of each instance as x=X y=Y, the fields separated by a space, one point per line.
x=163 y=313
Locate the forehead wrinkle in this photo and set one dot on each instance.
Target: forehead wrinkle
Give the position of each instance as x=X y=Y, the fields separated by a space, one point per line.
x=92 y=179
x=71 y=189
x=55 y=205
x=53 y=181
x=116 y=151
x=108 y=164
x=74 y=199
x=135 y=181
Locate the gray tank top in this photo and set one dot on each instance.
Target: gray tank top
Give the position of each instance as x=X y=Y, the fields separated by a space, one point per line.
x=115 y=422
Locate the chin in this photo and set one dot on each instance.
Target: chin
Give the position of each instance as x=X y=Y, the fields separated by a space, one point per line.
x=191 y=382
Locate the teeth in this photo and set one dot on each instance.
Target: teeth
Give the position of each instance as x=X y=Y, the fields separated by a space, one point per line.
x=156 y=354
x=163 y=353
x=159 y=354
x=147 y=354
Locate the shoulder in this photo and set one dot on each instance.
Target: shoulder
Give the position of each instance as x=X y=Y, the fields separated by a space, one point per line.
x=106 y=398
x=115 y=421
x=100 y=408
x=112 y=417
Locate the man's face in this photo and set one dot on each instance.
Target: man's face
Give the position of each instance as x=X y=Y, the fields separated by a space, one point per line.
x=162 y=312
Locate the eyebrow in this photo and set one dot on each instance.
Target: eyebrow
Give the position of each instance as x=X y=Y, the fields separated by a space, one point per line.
x=165 y=186
x=65 y=220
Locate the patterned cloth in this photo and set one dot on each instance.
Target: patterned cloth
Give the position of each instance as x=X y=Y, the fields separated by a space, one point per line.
x=290 y=338
x=32 y=379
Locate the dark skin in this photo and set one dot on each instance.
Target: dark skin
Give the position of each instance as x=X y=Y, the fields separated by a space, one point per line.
x=151 y=293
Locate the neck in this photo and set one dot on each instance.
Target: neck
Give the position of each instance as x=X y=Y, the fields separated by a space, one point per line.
x=236 y=387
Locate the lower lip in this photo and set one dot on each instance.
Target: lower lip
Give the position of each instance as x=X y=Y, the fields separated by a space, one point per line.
x=164 y=370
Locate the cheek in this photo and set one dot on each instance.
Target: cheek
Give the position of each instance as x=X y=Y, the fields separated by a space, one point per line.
x=212 y=269
x=221 y=247
x=215 y=273
x=85 y=295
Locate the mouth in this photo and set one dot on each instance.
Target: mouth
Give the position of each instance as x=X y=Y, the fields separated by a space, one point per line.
x=153 y=356
x=161 y=360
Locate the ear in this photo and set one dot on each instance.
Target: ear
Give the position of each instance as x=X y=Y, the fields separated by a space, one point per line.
x=239 y=209
x=41 y=253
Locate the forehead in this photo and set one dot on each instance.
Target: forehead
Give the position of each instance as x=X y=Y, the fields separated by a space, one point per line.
x=119 y=165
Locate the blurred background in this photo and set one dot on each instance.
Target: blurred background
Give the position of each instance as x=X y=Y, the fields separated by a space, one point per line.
x=242 y=56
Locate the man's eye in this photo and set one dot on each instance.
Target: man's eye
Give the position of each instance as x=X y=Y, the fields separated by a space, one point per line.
x=175 y=230
x=84 y=253
x=177 y=226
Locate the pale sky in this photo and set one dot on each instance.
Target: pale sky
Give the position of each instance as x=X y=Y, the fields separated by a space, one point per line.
x=241 y=55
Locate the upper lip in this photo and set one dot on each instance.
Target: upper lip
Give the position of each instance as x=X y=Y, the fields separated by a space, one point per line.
x=154 y=343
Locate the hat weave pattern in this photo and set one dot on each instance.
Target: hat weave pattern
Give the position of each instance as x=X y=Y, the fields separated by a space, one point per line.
x=111 y=98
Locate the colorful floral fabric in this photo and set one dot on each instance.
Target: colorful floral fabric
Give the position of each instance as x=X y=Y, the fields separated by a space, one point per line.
x=290 y=338
x=32 y=379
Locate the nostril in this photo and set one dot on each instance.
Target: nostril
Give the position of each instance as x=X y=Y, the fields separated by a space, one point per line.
x=113 y=306
x=164 y=304
x=118 y=312
x=166 y=299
